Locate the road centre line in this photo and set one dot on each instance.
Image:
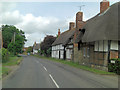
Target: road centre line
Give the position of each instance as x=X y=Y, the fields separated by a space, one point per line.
x=45 y=68
x=54 y=81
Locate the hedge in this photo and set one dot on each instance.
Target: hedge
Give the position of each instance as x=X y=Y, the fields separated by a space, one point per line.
x=5 y=55
x=114 y=67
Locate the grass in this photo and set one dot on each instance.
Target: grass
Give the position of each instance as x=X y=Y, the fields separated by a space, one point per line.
x=73 y=64
x=5 y=70
x=13 y=60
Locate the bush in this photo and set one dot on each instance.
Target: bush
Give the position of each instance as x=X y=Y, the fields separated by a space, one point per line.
x=114 y=67
x=5 y=55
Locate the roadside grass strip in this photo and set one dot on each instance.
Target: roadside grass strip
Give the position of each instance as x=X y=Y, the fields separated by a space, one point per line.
x=13 y=61
x=6 y=67
x=77 y=65
x=5 y=71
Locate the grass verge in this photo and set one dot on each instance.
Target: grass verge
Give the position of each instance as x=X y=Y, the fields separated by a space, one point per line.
x=12 y=61
x=7 y=67
x=70 y=63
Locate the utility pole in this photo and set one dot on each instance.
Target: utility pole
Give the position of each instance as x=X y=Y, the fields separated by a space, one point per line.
x=81 y=7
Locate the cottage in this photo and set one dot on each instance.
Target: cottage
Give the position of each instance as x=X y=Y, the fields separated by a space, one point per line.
x=62 y=48
x=98 y=40
x=36 y=48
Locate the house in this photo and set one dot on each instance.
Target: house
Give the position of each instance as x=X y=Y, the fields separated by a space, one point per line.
x=98 y=40
x=62 y=48
x=36 y=48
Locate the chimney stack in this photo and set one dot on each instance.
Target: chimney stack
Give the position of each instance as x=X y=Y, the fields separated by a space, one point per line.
x=79 y=20
x=104 y=5
x=35 y=43
x=58 y=32
x=71 y=25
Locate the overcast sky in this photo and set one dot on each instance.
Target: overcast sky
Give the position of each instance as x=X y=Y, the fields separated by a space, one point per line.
x=38 y=19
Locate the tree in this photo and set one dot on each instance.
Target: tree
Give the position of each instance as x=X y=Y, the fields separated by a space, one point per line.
x=13 y=38
x=46 y=45
x=30 y=49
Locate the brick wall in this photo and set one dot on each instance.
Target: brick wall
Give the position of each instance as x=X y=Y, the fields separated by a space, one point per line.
x=97 y=59
x=113 y=54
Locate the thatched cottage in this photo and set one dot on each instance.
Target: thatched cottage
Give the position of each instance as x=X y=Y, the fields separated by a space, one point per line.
x=98 y=40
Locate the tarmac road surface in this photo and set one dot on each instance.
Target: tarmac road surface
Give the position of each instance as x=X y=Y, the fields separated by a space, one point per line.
x=38 y=73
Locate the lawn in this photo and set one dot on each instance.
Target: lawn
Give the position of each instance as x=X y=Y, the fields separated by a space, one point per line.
x=73 y=64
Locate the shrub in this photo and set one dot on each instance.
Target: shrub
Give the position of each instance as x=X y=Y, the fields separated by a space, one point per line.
x=114 y=67
x=5 y=55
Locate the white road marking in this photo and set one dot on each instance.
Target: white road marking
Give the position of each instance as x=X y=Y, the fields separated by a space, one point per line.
x=54 y=81
x=45 y=68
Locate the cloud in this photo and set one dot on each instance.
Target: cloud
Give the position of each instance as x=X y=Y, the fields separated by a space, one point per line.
x=35 y=28
x=44 y=25
x=11 y=18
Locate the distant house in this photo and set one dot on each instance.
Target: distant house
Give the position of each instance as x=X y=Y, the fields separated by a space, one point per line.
x=62 y=48
x=98 y=40
x=36 y=48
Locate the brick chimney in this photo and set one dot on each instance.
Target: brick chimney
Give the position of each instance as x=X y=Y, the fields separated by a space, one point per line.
x=104 y=5
x=71 y=25
x=58 y=32
x=79 y=20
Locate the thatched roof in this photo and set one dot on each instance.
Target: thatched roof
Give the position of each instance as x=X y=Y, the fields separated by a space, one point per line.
x=64 y=37
x=104 y=26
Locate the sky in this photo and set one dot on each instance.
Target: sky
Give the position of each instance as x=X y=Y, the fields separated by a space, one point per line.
x=38 y=19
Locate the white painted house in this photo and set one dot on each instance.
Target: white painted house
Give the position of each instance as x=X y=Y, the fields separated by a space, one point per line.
x=36 y=48
x=62 y=48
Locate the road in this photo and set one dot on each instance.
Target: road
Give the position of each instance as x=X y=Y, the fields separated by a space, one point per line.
x=38 y=73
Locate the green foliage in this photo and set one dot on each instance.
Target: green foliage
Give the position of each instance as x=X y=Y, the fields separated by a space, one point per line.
x=47 y=44
x=114 y=67
x=11 y=48
x=49 y=51
x=29 y=50
x=5 y=55
x=13 y=38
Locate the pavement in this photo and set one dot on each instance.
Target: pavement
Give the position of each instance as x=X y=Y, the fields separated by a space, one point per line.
x=39 y=73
